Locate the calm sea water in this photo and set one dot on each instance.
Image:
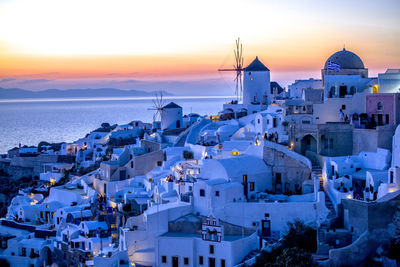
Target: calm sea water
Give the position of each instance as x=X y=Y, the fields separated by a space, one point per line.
x=64 y=120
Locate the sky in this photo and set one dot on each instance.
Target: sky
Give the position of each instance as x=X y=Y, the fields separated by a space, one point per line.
x=178 y=46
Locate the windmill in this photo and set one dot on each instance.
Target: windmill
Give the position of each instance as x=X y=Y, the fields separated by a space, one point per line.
x=238 y=68
x=158 y=104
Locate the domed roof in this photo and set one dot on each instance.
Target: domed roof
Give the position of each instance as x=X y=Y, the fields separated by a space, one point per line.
x=346 y=60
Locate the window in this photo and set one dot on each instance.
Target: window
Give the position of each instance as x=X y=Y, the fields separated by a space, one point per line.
x=164 y=259
x=217 y=193
x=159 y=163
x=202 y=192
x=258 y=121
x=190 y=188
x=201 y=260
x=186 y=261
x=131 y=164
x=331 y=143
x=391 y=177
x=379 y=106
x=251 y=186
x=343 y=107
x=387 y=118
x=222 y=263
x=266 y=215
x=211 y=249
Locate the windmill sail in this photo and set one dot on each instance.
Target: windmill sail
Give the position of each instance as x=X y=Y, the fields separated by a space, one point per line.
x=158 y=103
x=238 y=68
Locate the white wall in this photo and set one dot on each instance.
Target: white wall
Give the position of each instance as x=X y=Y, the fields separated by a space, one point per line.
x=256 y=84
x=245 y=213
x=169 y=117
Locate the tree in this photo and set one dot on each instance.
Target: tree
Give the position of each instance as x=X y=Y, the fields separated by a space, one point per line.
x=294 y=257
x=301 y=236
x=295 y=249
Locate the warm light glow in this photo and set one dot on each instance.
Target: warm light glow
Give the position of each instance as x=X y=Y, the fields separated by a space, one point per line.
x=235 y=153
x=292 y=145
x=391 y=190
x=375 y=89
x=349 y=196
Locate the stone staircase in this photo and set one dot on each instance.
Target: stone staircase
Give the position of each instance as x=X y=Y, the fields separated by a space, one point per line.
x=316 y=169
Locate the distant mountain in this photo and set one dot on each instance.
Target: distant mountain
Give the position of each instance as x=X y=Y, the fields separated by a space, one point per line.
x=15 y=93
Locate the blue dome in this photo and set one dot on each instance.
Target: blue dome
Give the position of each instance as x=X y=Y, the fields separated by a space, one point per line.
x=346 y=60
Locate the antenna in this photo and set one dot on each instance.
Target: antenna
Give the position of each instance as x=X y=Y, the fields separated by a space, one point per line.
x=238 y=68
x=158 y=104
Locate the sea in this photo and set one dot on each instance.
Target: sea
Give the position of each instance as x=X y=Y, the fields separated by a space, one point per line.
x=30 y=121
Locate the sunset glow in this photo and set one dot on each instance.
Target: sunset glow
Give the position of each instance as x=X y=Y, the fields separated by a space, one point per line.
x=181 y=40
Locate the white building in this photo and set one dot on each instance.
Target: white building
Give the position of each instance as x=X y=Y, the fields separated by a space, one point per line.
x=211 y=246
x=389 y=82
x=296 y=89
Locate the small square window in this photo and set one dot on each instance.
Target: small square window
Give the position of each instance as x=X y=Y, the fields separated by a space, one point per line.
x=164 y=259
x=343 y=107
x=211 y=249
x=186 y=261
x=266 y=215
x=217 y=193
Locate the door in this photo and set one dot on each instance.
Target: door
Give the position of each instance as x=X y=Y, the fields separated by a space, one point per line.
x=342 y=91
x=175 y=261
x=211 y=262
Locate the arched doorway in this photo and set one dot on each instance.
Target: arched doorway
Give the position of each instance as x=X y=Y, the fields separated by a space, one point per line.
x=308 y=143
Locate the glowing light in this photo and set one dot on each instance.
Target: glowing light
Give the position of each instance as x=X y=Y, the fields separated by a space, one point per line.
x=391 y=190
x=292 y=145
x=235 y=153
x=349 y=196
x=375 y=89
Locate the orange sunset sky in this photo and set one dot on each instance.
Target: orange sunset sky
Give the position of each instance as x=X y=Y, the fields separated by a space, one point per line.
x=145 y=44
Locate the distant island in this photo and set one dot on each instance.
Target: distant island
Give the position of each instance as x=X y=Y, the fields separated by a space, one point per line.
x=17 y=93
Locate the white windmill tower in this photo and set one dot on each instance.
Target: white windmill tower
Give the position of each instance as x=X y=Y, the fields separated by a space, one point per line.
x=157 y=107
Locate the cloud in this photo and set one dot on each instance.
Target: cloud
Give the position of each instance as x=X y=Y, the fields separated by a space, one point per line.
x=7 y=80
